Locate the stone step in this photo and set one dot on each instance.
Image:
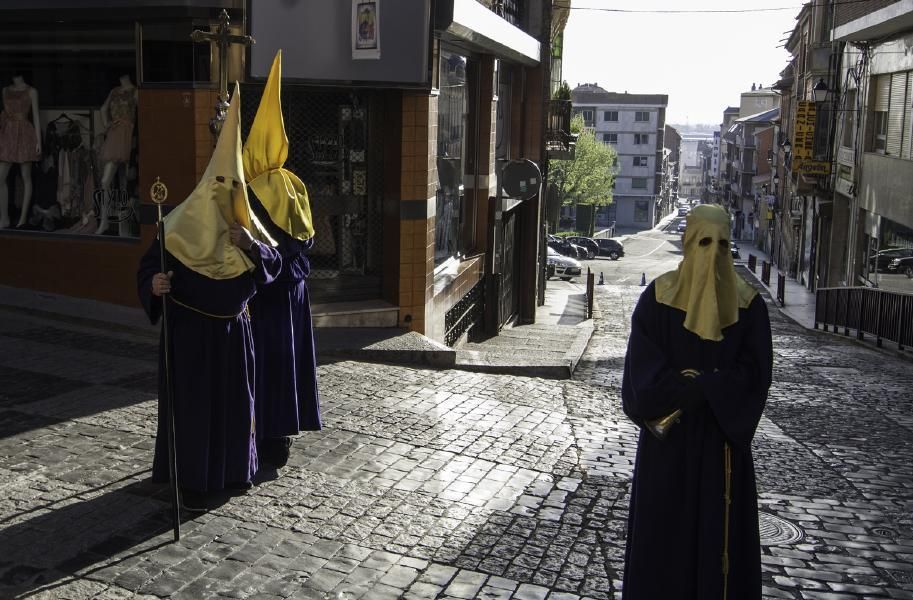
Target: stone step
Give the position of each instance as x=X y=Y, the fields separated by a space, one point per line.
x=368 y=313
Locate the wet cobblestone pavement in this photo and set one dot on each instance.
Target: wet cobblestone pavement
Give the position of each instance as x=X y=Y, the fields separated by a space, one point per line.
x=435 y=484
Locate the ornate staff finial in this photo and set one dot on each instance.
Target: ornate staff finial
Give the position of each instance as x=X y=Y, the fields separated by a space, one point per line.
x=158 y=191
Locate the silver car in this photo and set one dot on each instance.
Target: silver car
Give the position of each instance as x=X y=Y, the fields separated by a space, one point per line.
x=563 y=267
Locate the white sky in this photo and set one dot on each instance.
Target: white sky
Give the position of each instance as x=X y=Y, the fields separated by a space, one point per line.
x=702 y=61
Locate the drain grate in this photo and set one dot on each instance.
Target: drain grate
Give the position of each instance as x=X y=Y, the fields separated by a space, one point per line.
x=776 y=531
x=884 y=532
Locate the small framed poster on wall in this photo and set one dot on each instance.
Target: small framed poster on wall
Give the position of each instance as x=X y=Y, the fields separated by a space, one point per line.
x=365 y=29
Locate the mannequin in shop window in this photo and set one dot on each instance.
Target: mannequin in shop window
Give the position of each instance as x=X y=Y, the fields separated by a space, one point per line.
x=118 y=115
x=19 y=143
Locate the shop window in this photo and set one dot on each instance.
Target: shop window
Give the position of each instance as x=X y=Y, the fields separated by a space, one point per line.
x=84 y=178
x=641 y=211
x=451 y=155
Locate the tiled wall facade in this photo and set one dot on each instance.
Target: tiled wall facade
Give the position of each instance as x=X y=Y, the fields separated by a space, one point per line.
x=418 y=183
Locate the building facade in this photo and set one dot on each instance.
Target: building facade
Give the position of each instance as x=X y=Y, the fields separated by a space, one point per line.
x=635 y=125
x=401 y=137
x=872 y=181
x=672 y=156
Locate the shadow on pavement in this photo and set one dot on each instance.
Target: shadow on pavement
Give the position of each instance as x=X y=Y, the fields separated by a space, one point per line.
x=74 y=537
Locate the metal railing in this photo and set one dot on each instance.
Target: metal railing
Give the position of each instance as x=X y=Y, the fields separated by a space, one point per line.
x=558 y=132
x=465 y=314
x=590 y=293
x=883 y=314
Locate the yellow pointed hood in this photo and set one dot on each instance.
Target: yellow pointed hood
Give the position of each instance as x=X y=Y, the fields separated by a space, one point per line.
x=196 y=231
x=705 y=285
x=281 y=192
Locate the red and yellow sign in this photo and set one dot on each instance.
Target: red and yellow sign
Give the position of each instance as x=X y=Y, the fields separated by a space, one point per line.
x=804 y=141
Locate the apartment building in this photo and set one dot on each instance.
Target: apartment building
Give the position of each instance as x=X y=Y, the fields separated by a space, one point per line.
x=872 y=200
x=672 y=150
x=635 y=125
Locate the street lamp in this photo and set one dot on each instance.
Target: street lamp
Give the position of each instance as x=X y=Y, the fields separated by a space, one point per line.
x=776 y=180
x=787 y=147
x=820 y=91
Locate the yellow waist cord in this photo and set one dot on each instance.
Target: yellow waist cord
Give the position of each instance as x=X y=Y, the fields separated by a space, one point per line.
x=727 y=499
x=245 y=312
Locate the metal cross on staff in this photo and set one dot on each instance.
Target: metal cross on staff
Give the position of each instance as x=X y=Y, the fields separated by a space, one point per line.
x=224 y=38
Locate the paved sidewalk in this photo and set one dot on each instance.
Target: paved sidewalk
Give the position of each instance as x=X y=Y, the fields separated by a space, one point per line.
x=549 y=348
x=799 y=302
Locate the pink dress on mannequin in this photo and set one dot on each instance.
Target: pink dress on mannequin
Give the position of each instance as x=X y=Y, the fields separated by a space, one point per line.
x=18 y=140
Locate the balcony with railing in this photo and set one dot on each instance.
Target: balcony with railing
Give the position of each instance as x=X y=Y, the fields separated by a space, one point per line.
x=560 y=143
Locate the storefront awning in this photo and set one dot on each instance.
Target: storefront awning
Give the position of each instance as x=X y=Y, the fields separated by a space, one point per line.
x=468 y=21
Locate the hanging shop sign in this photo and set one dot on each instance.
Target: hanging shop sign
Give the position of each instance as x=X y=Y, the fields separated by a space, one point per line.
x=804 y=131
x=804 y=142
x=815 y=167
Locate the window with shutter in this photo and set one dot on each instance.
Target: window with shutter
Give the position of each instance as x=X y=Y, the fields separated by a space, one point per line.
x=894 y=139
x=906 y=150
x=880 y=112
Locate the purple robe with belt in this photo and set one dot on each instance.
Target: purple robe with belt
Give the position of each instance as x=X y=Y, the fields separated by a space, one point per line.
x=286 y=385
x=212 y=359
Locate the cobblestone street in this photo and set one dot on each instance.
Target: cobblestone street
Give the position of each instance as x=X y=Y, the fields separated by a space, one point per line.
x=434 y=484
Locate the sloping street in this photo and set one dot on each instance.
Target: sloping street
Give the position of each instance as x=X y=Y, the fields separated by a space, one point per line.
x=434 y=484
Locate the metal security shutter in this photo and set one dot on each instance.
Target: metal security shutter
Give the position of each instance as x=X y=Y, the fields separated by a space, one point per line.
x=906 y=150
x=896 y=113
x=336 y=147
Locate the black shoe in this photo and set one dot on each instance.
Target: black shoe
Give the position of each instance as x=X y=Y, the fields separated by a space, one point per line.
x=241 y=486
x=275 y=451
x=195 y=501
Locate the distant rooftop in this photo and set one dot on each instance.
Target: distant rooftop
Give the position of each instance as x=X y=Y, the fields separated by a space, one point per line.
x=762 y=117
x=591 y=93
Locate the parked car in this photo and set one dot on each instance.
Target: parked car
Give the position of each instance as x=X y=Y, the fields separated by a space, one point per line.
x=563 y=246
x=902 y=265
x=881 y=261
x=564 y=267
x=681 y=226
x=683 y=211
x=611 y=248
x=589 y=244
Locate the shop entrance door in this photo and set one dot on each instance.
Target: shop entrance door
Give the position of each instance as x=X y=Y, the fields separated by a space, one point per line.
x=510 y=267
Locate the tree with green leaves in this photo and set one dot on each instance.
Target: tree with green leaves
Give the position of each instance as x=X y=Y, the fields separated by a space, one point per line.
x=590 y=177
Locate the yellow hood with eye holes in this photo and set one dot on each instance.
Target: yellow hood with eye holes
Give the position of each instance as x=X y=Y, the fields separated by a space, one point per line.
x=197 y=230
x=705 y=286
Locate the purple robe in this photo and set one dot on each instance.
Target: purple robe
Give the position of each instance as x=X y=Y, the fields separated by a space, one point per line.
x=286 y=384
x=675 y=523
x=212 y=378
